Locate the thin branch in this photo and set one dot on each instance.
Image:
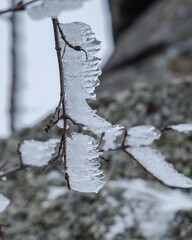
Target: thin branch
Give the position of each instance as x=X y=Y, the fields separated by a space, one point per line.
x=62 y=92
x=76 y=48
x=53 y=120
x=54 y=159
x=14 y=71
x=165 y=129
x=20 y=6
x=22 y=166
x=101 y=139
x=13 y=171
x=74 y=122
x=3 y=165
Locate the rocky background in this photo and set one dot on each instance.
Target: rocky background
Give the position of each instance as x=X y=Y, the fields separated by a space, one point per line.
x=148 y=80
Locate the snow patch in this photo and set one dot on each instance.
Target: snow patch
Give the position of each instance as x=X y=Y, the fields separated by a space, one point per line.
x=4 y=202
x=147 y=209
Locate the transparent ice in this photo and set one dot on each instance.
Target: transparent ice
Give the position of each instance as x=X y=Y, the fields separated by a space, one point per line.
x=154 y=162
x=83 y=164
x=52 y=8
x=37 y=153
x=142 y=135
x=4 y=202
x=186 y=128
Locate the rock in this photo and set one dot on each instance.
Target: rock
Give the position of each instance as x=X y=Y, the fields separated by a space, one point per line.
x=148 y=50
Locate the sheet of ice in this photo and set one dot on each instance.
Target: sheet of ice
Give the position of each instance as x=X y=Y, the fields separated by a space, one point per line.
x=4 y=202
x=52 y=8
x=37 y=153
x=186 y=128
x=83 y=164
x=110 y=136
x=143 y=207
x=154 y=162
x=81 y=78
x=142 y=135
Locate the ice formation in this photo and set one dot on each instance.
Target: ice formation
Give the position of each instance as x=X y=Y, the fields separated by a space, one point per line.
x=52 y=8
x=81 y=78
x=142 y=135
x=154 y=162
x=37 y=153
x=83 y=164
x=4 y=202
x=185 y=127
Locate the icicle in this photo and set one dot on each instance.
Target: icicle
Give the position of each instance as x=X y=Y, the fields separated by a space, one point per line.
x=83 y=164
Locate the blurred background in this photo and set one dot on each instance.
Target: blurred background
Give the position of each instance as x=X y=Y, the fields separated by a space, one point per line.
x=29 y=86
x=147 y=79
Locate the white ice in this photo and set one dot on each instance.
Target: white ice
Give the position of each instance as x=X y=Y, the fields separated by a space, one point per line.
x=52 y=8
x=185 y=127
x=154 y=162
x=4 y=202
x=83 y=164
x=37 y=153
x=142 y=135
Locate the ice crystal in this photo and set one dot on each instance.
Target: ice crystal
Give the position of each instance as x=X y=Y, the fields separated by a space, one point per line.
x=81 y=78
x=186 y=128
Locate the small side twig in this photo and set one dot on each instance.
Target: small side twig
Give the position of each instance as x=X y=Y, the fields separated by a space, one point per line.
x=21 y=166
x=74 y=122
x=101 y=139
x=54 y=159
x=52 y=122
x=76 y=48
x=124 y=138
x=3 y=165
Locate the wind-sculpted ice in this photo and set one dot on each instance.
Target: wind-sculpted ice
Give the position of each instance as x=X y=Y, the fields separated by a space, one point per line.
x=37 y=153
x=83 y=164
x=4 y=202
x=154 y=162
x=81 y=79
x=52 y=8
x=185 y=127
x=142 y=135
